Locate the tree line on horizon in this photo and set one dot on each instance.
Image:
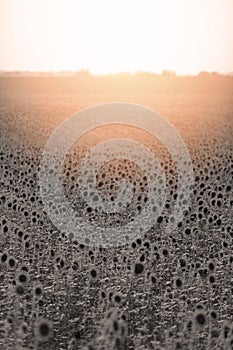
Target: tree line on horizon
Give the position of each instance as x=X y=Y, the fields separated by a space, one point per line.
x=85 y=73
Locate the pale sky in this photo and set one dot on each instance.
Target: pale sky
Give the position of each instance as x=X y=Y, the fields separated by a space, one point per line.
x=108 y=36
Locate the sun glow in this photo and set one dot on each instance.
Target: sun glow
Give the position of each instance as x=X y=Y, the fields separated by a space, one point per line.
x=107 y=36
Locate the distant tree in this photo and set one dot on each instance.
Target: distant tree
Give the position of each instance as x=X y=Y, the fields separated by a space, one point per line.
x=215 y=74
x=204 y=74
x=83 y=73
x=168 y=73
x=146 y=74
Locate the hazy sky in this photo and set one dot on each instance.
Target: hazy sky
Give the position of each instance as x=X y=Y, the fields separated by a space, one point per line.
x=105 y=36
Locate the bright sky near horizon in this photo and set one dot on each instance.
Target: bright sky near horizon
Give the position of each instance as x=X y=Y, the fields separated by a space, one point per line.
x=109 y=36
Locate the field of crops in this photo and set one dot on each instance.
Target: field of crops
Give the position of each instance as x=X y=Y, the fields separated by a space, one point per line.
x=168 y=289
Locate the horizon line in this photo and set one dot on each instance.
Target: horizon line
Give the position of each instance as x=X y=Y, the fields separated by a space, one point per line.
x=86 y=72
